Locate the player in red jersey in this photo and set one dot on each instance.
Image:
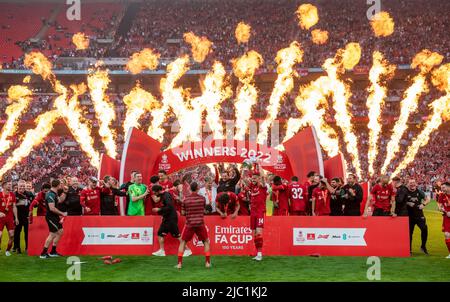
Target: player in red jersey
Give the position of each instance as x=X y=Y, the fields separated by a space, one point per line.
x=193 y=208
x=321 y=199
x=280 y=197
x=164 y=181
x=444 y=206
x=90 y=198
x=39 y=202
x=258 y=196
x=298 y=197
x=8 y=214
x=244 y=201
x=227 y=203
x=383 y=195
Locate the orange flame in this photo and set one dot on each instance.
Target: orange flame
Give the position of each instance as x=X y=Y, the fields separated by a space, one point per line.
x=286 y=59
x=81 y=41
x=244 y=68
x=200 y=46
x=98 y=82
x=19 y=98
x=375 y=102
x=307 y=15
x=138 y=101
x=319 y=36
x=242 y=32
x=425 y=60
x=382 y=24
x=145 y=59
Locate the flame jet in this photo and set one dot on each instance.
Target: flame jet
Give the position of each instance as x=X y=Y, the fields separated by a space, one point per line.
x=19 y=98
x=286 y=59
x=244 y=69
x=98 y=82
x=375 y=103
x=441 y=113
x=425 y=61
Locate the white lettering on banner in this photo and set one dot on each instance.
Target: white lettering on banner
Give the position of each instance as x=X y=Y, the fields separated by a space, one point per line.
x=232 y=235
x=117 y=236
x=329 y=236
x=226 y=151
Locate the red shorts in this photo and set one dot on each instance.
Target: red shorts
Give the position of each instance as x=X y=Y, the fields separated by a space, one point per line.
x=446 y=225
x=200 y=231
x=280 y=212
x=256 y=221
x=298 y=213
x=8 y=222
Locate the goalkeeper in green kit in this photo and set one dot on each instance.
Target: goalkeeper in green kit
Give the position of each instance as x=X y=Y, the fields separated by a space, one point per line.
x=137 y=192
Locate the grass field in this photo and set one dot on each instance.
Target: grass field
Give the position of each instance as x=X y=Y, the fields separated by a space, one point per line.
x=419 y=267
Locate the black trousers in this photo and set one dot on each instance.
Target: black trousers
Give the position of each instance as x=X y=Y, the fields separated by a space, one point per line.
x=22 y=215
x=380 y=212
x=421 y=222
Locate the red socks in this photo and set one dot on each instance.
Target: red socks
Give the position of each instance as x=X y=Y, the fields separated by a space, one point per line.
x=447 y=241
x=180 y=258
x=208 y=257
x=10 y=243
x=258 y=242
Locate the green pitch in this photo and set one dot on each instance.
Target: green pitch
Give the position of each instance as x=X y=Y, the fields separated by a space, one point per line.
x=419 y=267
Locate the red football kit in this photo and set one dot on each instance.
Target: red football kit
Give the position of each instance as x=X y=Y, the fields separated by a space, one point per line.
x=258 y=196
x=230 y=207
x=298 y=196
x=243 y=206
x=382 y=196
x=7 y=202
x=322 y=201
x=444 y=201
x=166 y=185
x=280 y=194
x=39 y=201
x=90 y=198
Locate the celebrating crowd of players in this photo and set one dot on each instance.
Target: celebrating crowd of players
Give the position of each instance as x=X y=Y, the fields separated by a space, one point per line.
x=227 y=192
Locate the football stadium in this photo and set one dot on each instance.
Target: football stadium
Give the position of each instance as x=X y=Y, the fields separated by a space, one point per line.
x=224 y=141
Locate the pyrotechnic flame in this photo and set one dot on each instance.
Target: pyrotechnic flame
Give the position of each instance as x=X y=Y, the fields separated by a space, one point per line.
x=19 y=98
x=40 y=65
x=441 y=108
x=138 y=101
x=26 y=80
x=32 y=138
x=200 y=46
x=347 y=57
x=73 y=117
x=375 y=103
x=98 y=82
x=244 y=69
x=286 y=59
x=214 y=93
x=440 y=77
x=309 y=100
x=319 y=36
x=81 y=41
x=382 y=24
x=425 y=60
x=145 y=59
x=171 y=97
x=307 y=15
x=242 y=32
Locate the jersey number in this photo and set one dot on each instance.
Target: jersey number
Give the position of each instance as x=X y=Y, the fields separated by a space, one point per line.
x=297 y=193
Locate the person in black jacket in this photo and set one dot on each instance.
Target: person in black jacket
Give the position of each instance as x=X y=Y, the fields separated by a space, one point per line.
x=169 y=224
x=401 y=209
x=415 y=201
x=23 y=201
x=228 y=180
x=108 y=194
x=336 y=202
x=72 y=201
x=353 y=195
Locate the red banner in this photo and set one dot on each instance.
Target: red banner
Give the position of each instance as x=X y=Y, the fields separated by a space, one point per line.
x=109 y=166
x=213 y=151
x=291 y=235
x=335 y=167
